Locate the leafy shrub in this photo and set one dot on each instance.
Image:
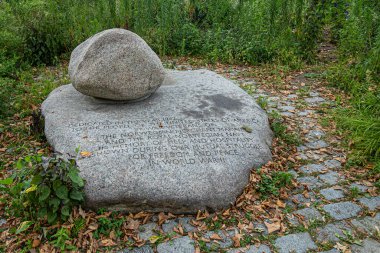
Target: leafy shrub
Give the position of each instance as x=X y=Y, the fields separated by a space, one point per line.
x=44 y=188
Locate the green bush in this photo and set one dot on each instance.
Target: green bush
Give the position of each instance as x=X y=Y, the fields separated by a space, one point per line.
x=44 y=188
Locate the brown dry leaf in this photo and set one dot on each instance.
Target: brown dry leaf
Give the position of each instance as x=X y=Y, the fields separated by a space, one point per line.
x=236 y=238
x=93 y=226
x=85 y=153
x=36 y=243
x=226 y=212
x=272 y=227
x=197 y=250
x=215 y=236
x=133 y=224
x=162 y=218
x=205 y=239
x=280 y=203
x=107 y=243
x=3 y=149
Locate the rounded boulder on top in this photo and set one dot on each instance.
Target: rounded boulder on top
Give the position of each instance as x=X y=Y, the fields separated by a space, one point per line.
x=116 y=64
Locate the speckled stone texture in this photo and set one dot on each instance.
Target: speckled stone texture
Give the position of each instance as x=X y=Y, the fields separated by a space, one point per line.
x=189 y=146
x=115 y=64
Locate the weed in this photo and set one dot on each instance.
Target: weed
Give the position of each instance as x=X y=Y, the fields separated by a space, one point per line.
x=262 y=102
x=280 y=131
x=271 y=184
x=354 y=192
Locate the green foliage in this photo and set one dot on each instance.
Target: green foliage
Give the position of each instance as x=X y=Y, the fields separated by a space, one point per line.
x=108 y=224
x=281 y=132
x=59 y=240
x=271 y=184
x=44 y=188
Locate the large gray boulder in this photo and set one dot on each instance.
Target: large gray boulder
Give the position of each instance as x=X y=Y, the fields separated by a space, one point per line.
x=115 y=64
x=189 y=146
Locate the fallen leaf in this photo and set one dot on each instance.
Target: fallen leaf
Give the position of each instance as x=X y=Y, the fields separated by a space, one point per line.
x=215 y=236
x=272 y=227
x=154 y=238
x=85 y=154
x=36 y=243
x=133 y=224
x=107 y=243
x=280 y=203
x=162 y=218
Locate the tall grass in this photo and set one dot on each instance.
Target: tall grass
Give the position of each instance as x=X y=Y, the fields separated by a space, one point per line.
x=247 y=31
x=357 y=30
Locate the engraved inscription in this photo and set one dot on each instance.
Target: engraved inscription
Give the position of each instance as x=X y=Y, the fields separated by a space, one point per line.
x=171 y=141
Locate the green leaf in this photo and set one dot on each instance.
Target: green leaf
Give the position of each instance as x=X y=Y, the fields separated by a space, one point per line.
x=56 y=185
x=62 y=192
x=19 y=164
x=52 y=216
x=23 y=226
x=54 y=202
x=74 y=176
x=42 y=212
x=44 y=192
x=77 y=195
x=6 y=181
x=37 y=179
x=65 y=211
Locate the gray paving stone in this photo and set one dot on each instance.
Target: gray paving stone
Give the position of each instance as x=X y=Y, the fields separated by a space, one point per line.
x=185 y=222
x=169 y=225
x=310 y=214
x=286 y=114
x=286 y=108
x=312 y=168
x=301 y=148
x=361 y=188
x=329 y=232
x=143 y=249
x=371 y=203
x=295 y=243
x=317 y=144
x=314 y=100
x=330 y=178
x=369 y=246
x=313 y=94
x=146 y=230
x=300 y=199
x=315 y=134
x=179 y=245
x=311 y=182
x=333 y=164
x=367 y=224
x=342 y=210
x=252 y=249
x=305 y=113
x=331 y=193
x=291 y=96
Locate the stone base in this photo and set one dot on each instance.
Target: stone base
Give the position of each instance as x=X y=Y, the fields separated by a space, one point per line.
x=190 y=146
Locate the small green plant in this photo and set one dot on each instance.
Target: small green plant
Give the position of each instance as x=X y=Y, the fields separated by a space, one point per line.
x=280 y=131
x=108 y=224
x=262 y=102
x=44 y=188
x=271 y=184
x=60 y=239
x=354 y=192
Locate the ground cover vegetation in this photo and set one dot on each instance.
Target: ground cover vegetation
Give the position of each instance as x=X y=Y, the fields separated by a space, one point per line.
x=41 y=190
